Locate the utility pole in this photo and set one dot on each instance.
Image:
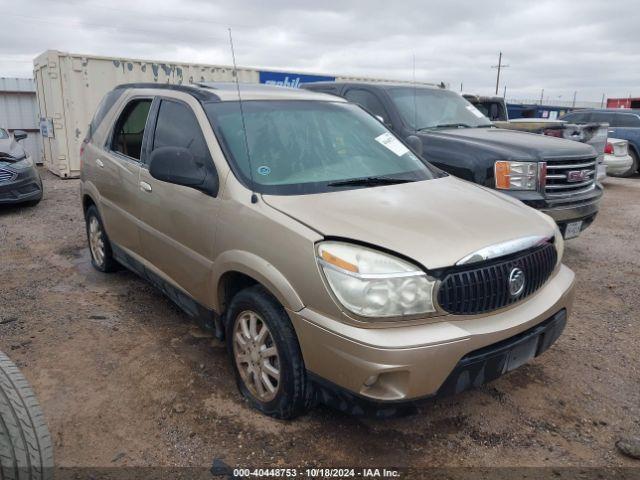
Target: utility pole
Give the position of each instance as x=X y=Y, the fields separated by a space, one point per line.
x=500 y=66
x=461 y=86
x=602 y=101
x=504 y=93
x=541 y=96
x=573 y=105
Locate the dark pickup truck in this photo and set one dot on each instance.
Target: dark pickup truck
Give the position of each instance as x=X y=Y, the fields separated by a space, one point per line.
x=553 y=175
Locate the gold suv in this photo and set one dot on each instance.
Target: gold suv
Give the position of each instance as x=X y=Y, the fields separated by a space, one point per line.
x=338 y=265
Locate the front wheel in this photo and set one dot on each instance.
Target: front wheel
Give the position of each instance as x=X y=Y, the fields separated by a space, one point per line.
x=266 y=356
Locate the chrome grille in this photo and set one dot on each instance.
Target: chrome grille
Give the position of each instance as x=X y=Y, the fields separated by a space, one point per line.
x=570 y=176
x=474 y=289
x=6 y=175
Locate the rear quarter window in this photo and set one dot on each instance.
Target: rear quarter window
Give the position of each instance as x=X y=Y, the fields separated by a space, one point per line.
x=103 y=108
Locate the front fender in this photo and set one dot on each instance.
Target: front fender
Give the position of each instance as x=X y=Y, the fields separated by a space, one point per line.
x=260 y=270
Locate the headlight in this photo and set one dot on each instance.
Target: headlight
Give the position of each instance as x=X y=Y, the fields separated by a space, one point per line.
x=374 y=284
x=24 y=163
x=520 y=175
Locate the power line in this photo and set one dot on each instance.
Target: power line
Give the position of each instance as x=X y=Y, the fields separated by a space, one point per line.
x=499 y=67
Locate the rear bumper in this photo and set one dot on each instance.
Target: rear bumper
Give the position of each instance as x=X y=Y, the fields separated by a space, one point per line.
x=25 y=187
x=400 y=364
x=618 y=165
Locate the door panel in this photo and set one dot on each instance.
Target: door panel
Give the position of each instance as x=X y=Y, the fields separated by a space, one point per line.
x=118 y=167
x=178 y=224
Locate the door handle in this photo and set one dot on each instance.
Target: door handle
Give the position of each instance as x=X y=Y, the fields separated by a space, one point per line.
x=145 y=187
x=100 y=163
x=610 y=131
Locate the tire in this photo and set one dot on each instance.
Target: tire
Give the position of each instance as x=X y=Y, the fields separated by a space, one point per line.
x=293 y=395
x=633 y=169
x=26 y=452
x=104 y=261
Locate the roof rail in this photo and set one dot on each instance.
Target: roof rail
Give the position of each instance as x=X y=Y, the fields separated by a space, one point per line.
x=200 y=94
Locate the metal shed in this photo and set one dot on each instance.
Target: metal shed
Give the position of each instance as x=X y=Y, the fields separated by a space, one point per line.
x=19 y=111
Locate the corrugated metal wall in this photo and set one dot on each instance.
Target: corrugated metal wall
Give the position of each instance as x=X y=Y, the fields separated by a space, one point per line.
x=19 y=111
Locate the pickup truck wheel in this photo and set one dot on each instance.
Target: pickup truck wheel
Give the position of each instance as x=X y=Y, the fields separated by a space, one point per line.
x=25 y=443
x=266 y=356
x=99 y=245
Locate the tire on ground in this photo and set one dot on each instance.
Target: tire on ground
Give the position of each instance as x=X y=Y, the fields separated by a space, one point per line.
x=296 y=393
x=26 y=452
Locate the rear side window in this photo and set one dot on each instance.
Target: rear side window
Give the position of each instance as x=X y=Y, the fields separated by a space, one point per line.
x=103 y=108
x=625 y=120
x=369 y=101
x=577 y=117
x=177 y=126
x=601 y=117
x=129 y=131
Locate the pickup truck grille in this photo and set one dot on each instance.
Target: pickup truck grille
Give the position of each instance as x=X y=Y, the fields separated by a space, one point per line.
x=6 y=175
x=481 y=288
x=570 y=176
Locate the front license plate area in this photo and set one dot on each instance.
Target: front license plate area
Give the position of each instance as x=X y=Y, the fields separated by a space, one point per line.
x=521 y=354
x=573 y=229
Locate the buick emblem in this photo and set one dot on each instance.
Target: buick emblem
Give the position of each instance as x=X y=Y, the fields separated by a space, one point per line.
x=516 y=282
x=577 y=175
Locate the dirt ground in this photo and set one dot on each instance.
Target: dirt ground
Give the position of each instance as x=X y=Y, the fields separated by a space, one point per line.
x=125 y=379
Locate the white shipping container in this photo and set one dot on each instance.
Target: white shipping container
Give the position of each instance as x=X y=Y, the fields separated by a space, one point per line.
x=70 y=86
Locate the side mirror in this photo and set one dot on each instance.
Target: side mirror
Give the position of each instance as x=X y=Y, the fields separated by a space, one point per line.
x=415 y=143
x=178 y=166
x=19 y=135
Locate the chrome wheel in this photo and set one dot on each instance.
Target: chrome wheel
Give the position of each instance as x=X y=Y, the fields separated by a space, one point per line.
x=96 y=241
x=256 y=356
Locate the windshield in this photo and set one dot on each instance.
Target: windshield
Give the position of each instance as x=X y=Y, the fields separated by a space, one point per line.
x=3 y=134
x=423 y=108
x=301 y=147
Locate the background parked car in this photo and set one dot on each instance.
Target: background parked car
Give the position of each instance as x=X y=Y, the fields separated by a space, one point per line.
x=19 y=178
x=617 y=158
x=623 y=124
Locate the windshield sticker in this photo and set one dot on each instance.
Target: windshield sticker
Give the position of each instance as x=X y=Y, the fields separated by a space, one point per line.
x=475 y=111
x=392 y=143
x=264 y=170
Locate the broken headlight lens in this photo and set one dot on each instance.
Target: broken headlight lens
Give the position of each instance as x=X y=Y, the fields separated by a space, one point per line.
x=374 y=284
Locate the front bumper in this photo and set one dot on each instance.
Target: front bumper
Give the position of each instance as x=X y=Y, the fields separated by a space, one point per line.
x=24 y=187
x=405 y=363
x=583 y=206
x=618 y=165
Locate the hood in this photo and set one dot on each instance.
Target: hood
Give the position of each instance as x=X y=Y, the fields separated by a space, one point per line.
x=434 y=222
x=9 y=147
x=503 y=144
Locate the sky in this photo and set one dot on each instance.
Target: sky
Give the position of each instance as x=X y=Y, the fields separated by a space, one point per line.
x=591 y=47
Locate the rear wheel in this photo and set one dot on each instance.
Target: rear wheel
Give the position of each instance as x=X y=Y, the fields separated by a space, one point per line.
x=25 y=443
x=634 y=166
x=99 y=245
x=266 y=356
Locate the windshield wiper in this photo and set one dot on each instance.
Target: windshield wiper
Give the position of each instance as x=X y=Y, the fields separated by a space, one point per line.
x=448 y=125
x=369 y=181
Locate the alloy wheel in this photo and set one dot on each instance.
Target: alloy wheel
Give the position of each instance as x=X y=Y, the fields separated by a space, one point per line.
x=256 y=356
x=96 y=241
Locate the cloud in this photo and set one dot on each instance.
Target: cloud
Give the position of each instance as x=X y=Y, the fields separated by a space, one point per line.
x=587 y=46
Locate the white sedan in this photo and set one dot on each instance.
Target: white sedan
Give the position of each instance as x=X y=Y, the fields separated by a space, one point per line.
x=616 y=157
